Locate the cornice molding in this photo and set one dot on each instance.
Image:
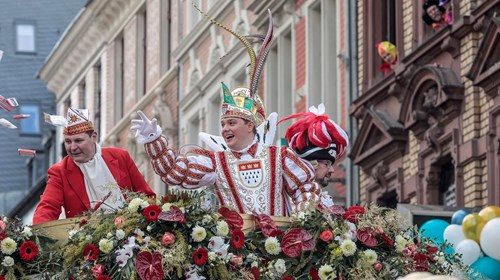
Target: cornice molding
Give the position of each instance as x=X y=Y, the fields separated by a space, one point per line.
x=200 y=30
x=84 y=39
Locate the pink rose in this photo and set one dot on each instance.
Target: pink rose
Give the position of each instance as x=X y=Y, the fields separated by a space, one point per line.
x=119 y=221
x=3 y=226
x=378 y=266
x=98 y=270
x=326 y=235
x=236 y=261
x=167 y=239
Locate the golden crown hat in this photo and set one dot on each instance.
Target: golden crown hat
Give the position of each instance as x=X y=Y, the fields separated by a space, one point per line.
x=243 y=102
x=77 y=121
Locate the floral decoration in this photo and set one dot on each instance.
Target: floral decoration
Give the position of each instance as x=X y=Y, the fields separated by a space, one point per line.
x=174 y=237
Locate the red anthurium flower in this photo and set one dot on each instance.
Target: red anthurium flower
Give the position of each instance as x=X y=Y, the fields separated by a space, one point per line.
x=28 y=251
x=431 y=249
x=421 y=262
x=232 y=218
x=200 y=256
x=295 y=241
x=367 y=237
x=237 y=239
x=267 y=225
x=83 y=222
x=255 y=272
x=326 y=235
x=173 y=215
x=313 y=273
x=354 y=213
x=386 y=239
x=90 y=253
x=98 y=270
x=151 y=212
x=149 y=266
x=2 y=277
x=104 y=277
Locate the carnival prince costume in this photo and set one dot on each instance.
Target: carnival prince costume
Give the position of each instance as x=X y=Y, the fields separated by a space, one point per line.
x=261 y=177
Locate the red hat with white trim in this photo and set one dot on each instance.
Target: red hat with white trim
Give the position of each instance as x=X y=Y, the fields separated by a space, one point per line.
x=315 y=136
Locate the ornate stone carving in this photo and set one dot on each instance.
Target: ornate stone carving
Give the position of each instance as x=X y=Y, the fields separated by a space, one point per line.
x=378 y=175
x=433 y=115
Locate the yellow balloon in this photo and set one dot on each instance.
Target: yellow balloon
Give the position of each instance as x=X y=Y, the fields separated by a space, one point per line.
x=472 y=226
x=490 y=212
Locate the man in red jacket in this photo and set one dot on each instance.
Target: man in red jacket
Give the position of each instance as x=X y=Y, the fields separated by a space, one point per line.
x=89 y=176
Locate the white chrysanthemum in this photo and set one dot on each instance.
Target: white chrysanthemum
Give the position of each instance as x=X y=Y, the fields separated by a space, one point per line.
x=105 y=245
x=134 y=204
x=8 y=261
x=326 y=272
x=348 y=248
x=88 y=237
x=212 y=256
x=27 y=232
x=8 y=246
x=272 y=246
x=222 y=228
x=198 y=234
x=109 y=235
x=72 y=233
x=280 y=266
x=120 y=234
x=166 y=207
x=370 y=256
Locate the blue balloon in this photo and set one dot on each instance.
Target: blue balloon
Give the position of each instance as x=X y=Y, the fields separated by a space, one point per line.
x=488 y=267
x=458 y=216
x=434 y=229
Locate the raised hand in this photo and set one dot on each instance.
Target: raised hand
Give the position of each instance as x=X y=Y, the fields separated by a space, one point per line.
x=146 y=130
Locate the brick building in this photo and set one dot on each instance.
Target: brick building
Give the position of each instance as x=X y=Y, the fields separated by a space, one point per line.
x=164 y=58
x=428 y=132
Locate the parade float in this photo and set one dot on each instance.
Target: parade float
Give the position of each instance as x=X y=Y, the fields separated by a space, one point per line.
x=179 y=237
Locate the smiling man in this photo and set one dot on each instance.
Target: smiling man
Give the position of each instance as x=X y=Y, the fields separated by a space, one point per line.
x=318 y=139
x=89 y=176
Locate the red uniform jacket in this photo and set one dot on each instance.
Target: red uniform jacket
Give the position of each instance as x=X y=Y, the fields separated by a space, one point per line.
x=66 y=186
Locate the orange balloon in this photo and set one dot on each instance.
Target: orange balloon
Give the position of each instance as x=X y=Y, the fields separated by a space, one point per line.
x=490 y=212
x=472 y=226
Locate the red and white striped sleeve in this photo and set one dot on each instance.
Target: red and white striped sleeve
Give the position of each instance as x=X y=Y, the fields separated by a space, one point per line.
x=189 y=172
x=299 y=175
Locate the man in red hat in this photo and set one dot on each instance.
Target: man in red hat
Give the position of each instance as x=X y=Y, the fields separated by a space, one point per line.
x=318 y=139
x=89 y=176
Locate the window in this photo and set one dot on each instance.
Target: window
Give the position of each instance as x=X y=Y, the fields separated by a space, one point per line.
x=141 y=54
x=119 y=78
x=193 y=15
x=279 y=79
x=214 y=114
x=25 y=38
x=193 y=131
x=31 y=125
x=383 y=23
x=165 y=36
x=447 y=187
x=323 y=45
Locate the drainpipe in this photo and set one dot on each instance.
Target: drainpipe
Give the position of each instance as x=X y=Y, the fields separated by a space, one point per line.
x=352 y=93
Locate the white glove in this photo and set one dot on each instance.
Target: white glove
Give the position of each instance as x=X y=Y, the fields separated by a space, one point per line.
x=146 y=130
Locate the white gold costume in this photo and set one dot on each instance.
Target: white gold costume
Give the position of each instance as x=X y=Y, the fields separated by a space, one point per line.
x=259 y=178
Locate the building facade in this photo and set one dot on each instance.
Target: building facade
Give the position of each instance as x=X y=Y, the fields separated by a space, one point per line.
x=428 y=131
x=164 y=58
x=28 y=32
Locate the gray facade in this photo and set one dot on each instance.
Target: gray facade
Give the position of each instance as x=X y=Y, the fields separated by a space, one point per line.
x=29 y=29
